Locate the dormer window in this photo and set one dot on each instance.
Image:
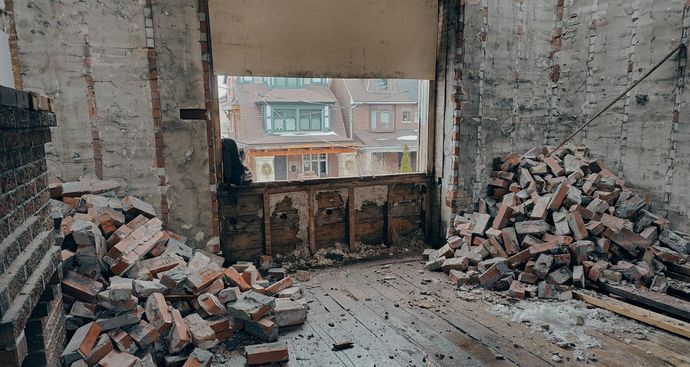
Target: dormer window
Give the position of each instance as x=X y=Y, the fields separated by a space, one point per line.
x=381 y=84
x=296 y=118
x=285 y=82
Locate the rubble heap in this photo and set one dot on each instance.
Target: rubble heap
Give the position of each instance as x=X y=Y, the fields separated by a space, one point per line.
x=552 y=223
x=136 y=295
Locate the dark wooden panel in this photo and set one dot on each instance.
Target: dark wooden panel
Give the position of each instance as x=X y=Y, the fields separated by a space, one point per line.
x=285 y=224
x=406 y=209
x=370 y=224
x=241 y=227
x=331 y=219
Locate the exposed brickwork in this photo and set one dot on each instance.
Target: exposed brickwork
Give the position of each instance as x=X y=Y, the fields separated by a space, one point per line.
x=682 y=58
x=91 y=107
x=454 y=194
x=555 y=70
x=156 y=110
x=211 y=137
x=29 y=263
x=14 y=50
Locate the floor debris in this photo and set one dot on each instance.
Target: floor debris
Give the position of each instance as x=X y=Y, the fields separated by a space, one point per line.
x=552 y=223
x=136 y=294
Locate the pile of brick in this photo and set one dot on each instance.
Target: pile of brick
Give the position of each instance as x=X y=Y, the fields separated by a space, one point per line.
x=552 y=223
x=136 y=295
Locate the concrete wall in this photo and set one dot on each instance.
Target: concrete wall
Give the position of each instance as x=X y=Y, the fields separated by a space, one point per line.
x=534 y=71
x=119 y=73
x=6 y=74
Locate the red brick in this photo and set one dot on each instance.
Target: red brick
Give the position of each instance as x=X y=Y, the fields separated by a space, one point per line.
x=179 y=337
x=158 y=313
x=101 y=349
x=559 y=196
x=577 y=225
x=211 y=304
x=80 y=287
x=82 y=342
x=510 y=240
x=278 y=286
x=267 y=353
x=503 y=217
x=234 y=278
x=554 y=166
x=118 y=359
x=517 y=290
x=543 y=247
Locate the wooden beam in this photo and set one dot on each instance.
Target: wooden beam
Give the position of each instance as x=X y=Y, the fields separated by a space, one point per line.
x=426 y=207
x=267 y=224
x=660 y=301
x=298 y=151
x=678 y=276
x=351 y=218
x=311 y=207
x=680 y=269
x=669 y=324
x=323 y=184
x=678 y=292
x=389 y=216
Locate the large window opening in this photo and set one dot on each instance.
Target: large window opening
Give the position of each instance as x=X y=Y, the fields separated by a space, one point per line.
x=306 y=128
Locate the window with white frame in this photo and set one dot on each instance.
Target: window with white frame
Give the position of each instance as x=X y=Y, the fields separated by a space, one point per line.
x=315 y=165
x=285 y=82
x=296 y=118
x=380 y=120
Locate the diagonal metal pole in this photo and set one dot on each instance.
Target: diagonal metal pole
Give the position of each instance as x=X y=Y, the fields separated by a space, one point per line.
x=680 y=46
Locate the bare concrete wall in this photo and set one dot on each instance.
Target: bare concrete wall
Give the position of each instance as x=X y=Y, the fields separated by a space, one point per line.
x=534 y=71
x=93 y=57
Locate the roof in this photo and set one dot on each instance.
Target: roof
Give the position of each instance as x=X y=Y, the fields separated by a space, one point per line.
x=388 y=142
x=251 y=133
x=401 y=91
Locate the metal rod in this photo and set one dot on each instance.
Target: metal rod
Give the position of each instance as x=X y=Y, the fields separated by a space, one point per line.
x=617 y=99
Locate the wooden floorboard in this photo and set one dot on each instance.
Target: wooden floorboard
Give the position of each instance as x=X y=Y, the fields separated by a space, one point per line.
x=418 y=333
x=410 y=281
x=377 y=305
x=614 y=352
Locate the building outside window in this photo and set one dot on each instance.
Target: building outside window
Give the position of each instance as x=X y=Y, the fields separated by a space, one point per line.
x=406 y=116
x=315 y=165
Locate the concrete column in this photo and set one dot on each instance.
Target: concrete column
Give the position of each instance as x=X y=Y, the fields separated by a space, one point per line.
x=347 y=165
x=263 y=169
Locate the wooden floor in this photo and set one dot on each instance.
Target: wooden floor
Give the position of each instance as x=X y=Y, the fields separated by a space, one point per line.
x=389 y=328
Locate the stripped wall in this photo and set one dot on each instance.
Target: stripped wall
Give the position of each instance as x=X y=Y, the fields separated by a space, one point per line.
x=119 y=72
x=532 y=72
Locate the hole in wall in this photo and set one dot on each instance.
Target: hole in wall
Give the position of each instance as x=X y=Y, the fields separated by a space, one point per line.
x=329 y=211
x=192 y=114
x=283 y=216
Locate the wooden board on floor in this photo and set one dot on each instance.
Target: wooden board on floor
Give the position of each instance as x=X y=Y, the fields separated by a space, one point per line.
x=640 y=314
x=659 y=301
